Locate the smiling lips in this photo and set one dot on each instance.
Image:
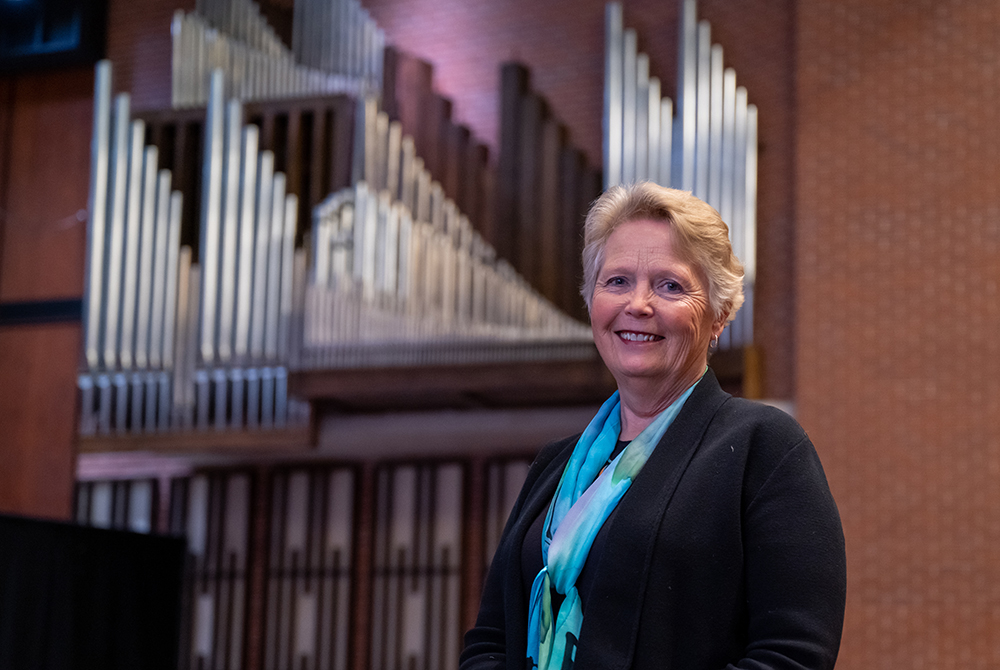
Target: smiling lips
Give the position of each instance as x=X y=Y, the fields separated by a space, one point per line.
x=632 y=336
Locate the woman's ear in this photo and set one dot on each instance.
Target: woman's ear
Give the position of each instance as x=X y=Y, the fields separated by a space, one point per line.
x=720 y=323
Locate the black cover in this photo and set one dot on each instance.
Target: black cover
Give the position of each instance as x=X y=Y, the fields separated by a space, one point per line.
x=74 y=597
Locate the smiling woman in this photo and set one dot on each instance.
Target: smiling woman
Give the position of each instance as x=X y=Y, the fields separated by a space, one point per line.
x=710 y=539
x=651 y=320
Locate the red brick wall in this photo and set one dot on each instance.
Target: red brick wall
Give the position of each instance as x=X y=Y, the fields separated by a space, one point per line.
x=140 y=49
x=898 y=218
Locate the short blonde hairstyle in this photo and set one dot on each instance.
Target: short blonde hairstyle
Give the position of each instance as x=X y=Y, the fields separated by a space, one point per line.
x=699 y=231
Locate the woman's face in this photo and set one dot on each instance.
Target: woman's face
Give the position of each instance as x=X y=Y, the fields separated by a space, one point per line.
x=650 y=313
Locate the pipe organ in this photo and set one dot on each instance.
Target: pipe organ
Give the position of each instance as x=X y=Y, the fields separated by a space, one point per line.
x=709 y=147
x=396 y=275
x=386 y=272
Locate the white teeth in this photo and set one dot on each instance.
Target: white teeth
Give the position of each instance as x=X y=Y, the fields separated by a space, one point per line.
x=637 y=337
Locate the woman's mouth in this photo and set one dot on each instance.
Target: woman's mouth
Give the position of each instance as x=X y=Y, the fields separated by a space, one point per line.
x=632 y=336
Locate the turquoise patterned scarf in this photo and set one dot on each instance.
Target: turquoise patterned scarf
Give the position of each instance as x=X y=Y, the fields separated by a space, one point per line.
x=584 y=499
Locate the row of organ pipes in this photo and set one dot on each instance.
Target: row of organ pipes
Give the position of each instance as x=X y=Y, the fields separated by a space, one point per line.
x=233 y=36
x=709 y=147
x=390 y=261
x=169 y=343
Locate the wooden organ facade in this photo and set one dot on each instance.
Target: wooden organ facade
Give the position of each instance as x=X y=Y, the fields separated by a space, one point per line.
x=319 y=252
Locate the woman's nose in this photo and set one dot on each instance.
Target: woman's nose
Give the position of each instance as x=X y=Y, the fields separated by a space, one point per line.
x=639 y=302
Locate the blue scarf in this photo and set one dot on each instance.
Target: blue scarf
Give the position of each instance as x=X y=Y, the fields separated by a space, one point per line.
x=583 y=500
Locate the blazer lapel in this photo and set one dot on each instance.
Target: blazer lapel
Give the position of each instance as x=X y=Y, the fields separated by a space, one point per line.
x=607 y=639
x=515 y=606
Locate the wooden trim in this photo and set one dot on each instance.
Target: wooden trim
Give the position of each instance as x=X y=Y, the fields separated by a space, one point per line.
x=288 y=440
x=525 y=384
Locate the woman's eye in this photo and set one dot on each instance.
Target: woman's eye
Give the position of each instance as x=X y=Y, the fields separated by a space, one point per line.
x=615 y=281
x=671 y=286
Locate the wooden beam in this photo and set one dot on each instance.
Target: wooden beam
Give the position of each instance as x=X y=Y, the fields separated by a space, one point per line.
x=284 y=440
x=519 y=384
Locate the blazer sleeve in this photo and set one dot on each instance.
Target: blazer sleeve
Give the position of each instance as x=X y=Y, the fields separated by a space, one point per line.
x=502 y=605
x=795 y=566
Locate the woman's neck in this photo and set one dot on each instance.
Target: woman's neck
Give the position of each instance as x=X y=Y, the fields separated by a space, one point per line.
x=642 y=400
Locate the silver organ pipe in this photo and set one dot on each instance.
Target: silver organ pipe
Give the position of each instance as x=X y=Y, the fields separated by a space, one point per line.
x=119 y=152
x=130 y=289
x=703 y=110
x=709 y=148
x=210 y=206
x=97 y=223
x=232 y=207
x=244 y=283
x=147 y=231
x=642 y=141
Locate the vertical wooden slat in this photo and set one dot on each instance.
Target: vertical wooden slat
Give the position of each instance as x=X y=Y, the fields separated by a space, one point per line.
x=313 y=189
x=527 y=254
x=437 y=134
x=513 y=87
x=457 y=156
x=473 y=539
x=390 y=75
x=340 y=144
x=472 y=196
x=570 y=230
x=363 y=555
x=549 y=266
x=256 y=602
x=409 y=99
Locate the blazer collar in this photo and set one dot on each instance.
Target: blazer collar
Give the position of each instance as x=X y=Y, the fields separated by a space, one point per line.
x=608 y=635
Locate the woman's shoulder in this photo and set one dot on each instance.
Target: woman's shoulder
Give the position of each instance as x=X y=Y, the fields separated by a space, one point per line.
x=758 y=422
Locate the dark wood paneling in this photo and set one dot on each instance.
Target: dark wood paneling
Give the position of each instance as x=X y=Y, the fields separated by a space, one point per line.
x=38 y=419
x=45 y=200
x=45 y=124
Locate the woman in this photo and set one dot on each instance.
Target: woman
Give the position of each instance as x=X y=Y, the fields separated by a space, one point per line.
x=684 y=529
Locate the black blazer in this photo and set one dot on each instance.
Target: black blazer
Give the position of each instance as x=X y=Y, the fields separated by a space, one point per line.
x=726 y=552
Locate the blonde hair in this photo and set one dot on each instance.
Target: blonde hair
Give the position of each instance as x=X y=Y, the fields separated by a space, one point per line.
x=699 y=231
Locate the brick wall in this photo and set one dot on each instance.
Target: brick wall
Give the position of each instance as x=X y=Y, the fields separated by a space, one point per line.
x=898 y=218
